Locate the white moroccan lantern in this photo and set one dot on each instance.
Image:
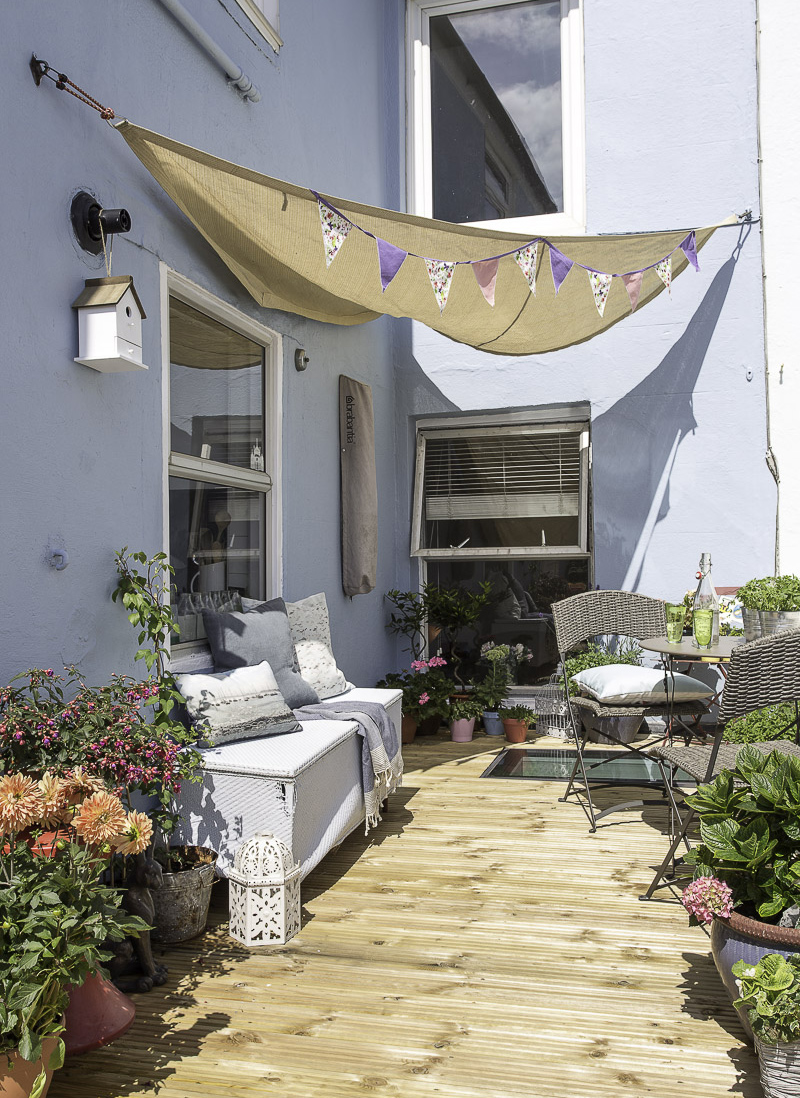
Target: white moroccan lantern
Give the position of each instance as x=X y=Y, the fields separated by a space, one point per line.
x=110 y=318
x=264 y=891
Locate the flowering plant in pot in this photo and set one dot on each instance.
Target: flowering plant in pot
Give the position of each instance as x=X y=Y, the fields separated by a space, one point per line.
x=425 y=690
x=56 y=915
x=492 y=689
x=770 y=992
x=462 y=716
x=517 y=719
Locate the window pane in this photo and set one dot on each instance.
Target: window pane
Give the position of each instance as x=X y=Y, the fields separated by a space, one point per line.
x=496 y=103
x=216 y=390
x=217 y=539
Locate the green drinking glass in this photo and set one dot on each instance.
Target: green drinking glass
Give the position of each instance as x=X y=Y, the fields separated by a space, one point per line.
x=702 y=626
x=676 y=614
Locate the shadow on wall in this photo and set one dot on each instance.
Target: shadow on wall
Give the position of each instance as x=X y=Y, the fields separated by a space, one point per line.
x=636 y=441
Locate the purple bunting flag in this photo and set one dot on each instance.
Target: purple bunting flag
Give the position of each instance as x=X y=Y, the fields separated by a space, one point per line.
x=391 y=259
x=440 y=272
x=334 y=231
x=664 y=272
x=560 y=266
x=601 y=284
x=633 y=284
x=526 y=260
x=689 y=248
x=485 y=271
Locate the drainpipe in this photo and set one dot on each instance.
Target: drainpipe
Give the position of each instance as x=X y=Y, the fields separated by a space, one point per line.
x=242 y=83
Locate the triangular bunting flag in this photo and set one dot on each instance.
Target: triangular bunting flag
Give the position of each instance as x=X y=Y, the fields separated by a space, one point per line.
x=526 y=258
x=560 y=266
x=633 y=284
x=440 y=272
x=334 y=231
x=601 y=284
x=664 y=271
x=486 y=274
x=390 y=258
x=689 y=248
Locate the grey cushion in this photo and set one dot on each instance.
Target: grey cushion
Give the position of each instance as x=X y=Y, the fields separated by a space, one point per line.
x=243 y=639
x=236 y=705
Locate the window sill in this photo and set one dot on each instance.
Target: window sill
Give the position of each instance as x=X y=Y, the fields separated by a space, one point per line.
x=262 y=25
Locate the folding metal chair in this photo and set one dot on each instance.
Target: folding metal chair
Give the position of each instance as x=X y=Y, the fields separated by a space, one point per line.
x=596 y=613
x=764 y=672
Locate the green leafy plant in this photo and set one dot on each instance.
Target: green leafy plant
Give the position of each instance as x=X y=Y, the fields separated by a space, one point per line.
x=770 y=990
x=464 y=709
x=750 y=831
x=776 y=722
x=771 y=593
x=600 y=655
x=425 y=688
x=453 y=609
x=408 y=619
x=517 y=713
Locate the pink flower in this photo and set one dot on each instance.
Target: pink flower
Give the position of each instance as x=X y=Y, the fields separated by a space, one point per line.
x=707 y=897
x=437 y=661
x=419 y=665
x=424 y=698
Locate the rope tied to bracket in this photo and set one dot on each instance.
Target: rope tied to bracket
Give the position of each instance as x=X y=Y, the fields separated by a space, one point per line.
x=41 y=69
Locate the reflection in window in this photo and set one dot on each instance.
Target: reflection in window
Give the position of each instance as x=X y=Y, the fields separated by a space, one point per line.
x=496 y=106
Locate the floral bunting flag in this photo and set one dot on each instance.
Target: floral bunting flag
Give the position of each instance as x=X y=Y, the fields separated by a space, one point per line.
x=485 y=271
x=560 y=266
x=664 y=271
x=526 y=258
x=390 y=258
x=633 y=284
x=334 y=231
x=440 y=272
x=689 y=248
x=601 y=284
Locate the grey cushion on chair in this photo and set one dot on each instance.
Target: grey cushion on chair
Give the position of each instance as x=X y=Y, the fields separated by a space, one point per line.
x=243 y=639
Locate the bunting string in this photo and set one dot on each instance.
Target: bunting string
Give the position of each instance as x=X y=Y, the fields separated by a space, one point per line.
x=336 y=227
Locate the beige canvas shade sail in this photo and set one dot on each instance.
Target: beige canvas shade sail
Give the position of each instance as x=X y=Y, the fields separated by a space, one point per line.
x=268 y=233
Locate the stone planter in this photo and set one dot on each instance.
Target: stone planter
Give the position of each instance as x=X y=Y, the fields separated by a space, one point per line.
x=741 y=939
x=18 y=1080
x=622 y=729
x=763 y=623
x=779 y=1066
x=181 y=903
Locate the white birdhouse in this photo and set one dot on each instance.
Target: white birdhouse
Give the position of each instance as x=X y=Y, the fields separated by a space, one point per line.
x=264 y=892
x=110 y=317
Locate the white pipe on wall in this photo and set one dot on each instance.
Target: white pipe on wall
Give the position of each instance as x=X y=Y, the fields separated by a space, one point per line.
x=243 y=84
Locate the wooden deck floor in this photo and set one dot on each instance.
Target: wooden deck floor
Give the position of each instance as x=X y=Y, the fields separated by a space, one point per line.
x=480 y=944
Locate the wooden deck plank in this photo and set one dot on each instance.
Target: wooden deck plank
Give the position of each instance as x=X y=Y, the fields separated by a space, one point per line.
x=480 y=944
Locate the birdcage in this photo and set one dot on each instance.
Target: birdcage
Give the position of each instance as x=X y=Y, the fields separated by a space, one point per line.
x=549 y=703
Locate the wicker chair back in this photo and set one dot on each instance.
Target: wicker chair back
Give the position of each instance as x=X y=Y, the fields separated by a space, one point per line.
x=597 y=612
x=764 y=672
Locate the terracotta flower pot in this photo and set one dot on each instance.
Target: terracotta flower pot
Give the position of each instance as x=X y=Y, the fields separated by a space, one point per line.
x=516 y=731
x=409 y=729
x=461 y=731
x=97 y=1014
x=17 y=1081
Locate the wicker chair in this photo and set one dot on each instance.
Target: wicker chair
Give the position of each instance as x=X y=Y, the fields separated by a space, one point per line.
x=591 y=614
x=764 y=672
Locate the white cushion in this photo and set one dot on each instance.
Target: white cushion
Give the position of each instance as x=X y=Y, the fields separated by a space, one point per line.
x=628 y=684
x=311 y=634
x=236 y=705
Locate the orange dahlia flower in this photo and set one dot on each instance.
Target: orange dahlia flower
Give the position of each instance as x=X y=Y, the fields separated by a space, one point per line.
x=20 y=803
x=101 y=817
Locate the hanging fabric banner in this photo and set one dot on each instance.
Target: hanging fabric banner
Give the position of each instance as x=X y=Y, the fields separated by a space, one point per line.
x=486 y=273
x=526 y=261
x=601 y=284
x=390 y=259
x=268 y=233
x=664 y=271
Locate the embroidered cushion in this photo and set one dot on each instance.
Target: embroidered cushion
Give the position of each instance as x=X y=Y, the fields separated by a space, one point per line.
x=236 y=705
x=311 y=633
x=628 y=684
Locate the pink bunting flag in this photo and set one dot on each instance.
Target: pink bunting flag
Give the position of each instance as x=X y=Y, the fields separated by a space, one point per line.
x=601 y=284
x=664 y=272
x=440 y=272
x=689 y=248
x=633 y=284
x=391 y=260
x=560 y=266
x=526 y=259
x=334 y=231
x=485 y=271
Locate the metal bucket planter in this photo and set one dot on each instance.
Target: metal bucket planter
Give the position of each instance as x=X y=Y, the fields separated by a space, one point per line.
x=181 y=903
x=763 y=623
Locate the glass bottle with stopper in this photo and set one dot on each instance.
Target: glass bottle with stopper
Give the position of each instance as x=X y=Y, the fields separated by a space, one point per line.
x=705 y=608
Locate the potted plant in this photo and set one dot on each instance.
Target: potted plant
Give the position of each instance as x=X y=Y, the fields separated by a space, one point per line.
x=516 y=719
x=462 y=717
x=56 y=915
x=452 y=609
x=425 y=691
x=623 y=728
x=750 y=841
x=770 y=992
x=769 y=605
x=492 y=689
x=408 y=619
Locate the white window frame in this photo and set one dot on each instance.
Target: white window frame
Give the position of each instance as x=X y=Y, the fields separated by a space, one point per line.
x=188 y=467
x=542 y=422
x=264 y=15
x=573 y=128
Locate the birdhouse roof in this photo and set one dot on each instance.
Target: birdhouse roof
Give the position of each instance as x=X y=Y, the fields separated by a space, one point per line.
x=107 y=291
